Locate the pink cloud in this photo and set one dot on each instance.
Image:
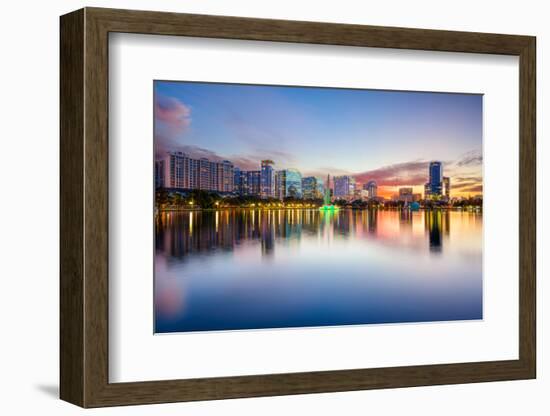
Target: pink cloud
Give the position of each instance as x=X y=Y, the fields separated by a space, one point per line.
x=471 y=158
x=474 y=188
x=246 y=163
x=173 y=113
x=399 y=174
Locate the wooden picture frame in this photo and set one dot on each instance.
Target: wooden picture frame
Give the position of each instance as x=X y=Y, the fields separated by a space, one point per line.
x=84 y=207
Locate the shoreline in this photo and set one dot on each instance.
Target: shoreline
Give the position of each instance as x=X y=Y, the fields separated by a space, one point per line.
x=473 y=209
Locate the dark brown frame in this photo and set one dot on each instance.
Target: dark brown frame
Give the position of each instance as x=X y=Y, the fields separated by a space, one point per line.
x=84 y=211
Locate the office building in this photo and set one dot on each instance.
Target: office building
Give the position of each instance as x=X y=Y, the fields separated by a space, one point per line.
x=371 y=188
x=289 y=184
x=239 y=181
x=436 y=178
x=447 y=187
x=253 y=182
x=364 y=194
x=178 y=170
x=159 y=174
x=344 y=186
x=267 y=179
x=406 y=195
x=427 y=191
x=438 y=185
x=312 y=188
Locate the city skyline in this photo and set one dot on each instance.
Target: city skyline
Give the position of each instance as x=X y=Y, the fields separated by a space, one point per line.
x=230 y=122
x=179 y=171
x=297 y=207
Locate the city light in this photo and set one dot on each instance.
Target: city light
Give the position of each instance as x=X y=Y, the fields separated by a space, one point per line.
x=268 y=188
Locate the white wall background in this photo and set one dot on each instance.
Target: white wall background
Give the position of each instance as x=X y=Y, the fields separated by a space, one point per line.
x=29 y=208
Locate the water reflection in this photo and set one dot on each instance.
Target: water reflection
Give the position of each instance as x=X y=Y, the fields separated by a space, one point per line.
x=238 y=269
x=182 y=233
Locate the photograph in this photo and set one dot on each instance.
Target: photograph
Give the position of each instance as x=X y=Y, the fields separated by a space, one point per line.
x=283 y=206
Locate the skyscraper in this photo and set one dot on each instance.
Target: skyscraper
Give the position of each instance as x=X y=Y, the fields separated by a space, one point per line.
x=371 y=188
x=205 y=174
x=178 y=170
x=446 y=187
x=344 y=186
x=311 y=188
x=436 y=178
x=175 y=171
x=427 y=191
x=239 y=181
x=289 y=184
x=159 y=174
x=267 y=179
x=253 y=182
x=225 y=176
x=406 y=194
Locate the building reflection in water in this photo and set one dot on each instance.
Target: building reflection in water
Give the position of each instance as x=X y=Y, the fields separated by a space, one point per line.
x=178 y=234
x=405 y=221
x=372 y=220
x=437 y=226
x=364 y=266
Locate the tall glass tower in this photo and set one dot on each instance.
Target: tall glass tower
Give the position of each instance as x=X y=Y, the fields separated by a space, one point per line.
x=289 y=184
x=267 y=179
x=436 y=178
x=371 y=188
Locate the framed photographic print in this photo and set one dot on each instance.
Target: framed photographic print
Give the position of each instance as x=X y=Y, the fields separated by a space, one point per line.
x=256 y=207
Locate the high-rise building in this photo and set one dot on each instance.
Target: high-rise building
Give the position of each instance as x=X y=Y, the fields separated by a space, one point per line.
x=447 y=187
x=344 y=186
x=239 y=181
x=320 y=188
x=406 y=194
x=253 y=182
x=371 y=188
x=175 y=171
x=225 y=176
x=246 y=182
x=205 y=174
x=352 y=185
x=178 y=170
x=436 y=178
x=364 y=194
x=159 y=174
x=312 y=188
x=289 y=184
x=267 y=179
x=193 y=174
x=427 y=191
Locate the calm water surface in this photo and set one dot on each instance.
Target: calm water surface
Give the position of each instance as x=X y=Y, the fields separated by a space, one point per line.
x=248 y=269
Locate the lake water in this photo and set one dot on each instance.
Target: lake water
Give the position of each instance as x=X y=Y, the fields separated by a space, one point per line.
x=250 y=269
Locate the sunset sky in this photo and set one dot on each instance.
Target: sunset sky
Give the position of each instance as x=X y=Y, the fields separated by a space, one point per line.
x=387 y=136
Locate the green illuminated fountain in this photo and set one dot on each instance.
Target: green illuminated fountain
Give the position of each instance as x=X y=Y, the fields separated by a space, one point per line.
x=326 y=200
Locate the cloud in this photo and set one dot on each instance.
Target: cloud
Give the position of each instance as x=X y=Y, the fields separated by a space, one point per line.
x=399 y=174
x=474 y=189
x=252 y=161
x=197 y=152
x=472 y=158
x=467 y=186
x=172 y=119
x=246 y=163
x=461 y=179
x=464 y=185
x=278 y=155
x=172 y=114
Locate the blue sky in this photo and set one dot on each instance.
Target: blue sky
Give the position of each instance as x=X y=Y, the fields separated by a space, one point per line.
x=389 y=135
